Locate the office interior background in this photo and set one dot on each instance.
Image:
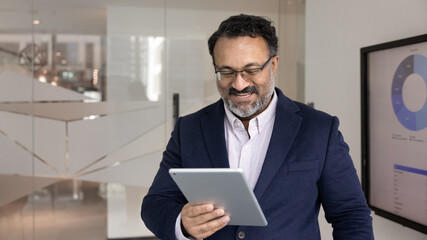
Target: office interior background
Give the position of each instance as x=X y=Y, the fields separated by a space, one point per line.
x=86 y=96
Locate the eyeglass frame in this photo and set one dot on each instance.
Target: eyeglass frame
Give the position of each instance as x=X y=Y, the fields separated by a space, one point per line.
x=235 y=72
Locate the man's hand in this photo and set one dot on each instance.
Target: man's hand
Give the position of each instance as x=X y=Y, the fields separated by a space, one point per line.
x=201 y=221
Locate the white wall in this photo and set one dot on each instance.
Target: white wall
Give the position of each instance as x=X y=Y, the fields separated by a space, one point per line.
x=335 y=32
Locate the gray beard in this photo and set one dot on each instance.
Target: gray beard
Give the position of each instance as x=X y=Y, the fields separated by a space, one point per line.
x=256 y=107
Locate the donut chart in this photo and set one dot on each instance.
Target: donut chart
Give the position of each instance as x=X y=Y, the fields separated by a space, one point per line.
x=413 y=64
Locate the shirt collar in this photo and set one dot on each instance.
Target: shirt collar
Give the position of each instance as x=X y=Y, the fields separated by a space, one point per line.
x=259 y=121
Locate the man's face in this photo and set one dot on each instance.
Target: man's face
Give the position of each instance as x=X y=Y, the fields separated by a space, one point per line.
x=243 y=97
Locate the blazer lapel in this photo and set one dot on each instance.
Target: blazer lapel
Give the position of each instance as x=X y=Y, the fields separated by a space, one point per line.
x=285 y=129
x=213 y=133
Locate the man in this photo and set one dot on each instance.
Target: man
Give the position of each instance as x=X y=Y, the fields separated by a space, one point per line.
x=293 y=156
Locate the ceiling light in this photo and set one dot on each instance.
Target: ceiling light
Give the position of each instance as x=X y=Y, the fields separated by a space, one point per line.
x=42 y=79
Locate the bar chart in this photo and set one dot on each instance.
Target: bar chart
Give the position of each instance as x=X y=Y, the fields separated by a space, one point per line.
x=410 y=193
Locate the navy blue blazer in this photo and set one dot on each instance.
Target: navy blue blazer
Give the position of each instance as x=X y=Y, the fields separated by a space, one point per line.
x=307 y=164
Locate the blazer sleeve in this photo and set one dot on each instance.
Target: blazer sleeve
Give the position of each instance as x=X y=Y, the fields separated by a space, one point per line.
x=340 y=191
x=164 y=201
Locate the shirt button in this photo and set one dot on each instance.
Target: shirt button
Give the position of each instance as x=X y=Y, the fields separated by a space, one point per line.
x=241 y=235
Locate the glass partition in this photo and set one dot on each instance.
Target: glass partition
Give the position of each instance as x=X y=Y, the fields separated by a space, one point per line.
x=16 y=129
x=86 y=105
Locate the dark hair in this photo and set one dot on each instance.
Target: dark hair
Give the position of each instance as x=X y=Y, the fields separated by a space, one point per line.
x=246 y=25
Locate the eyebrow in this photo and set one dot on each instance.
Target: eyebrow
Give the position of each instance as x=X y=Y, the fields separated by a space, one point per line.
x=244 y=67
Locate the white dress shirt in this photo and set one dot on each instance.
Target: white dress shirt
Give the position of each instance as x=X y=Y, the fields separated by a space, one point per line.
x=246 y=149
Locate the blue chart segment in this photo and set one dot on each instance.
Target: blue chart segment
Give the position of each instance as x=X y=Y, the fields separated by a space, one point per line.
x=413 y=64
x=410 y=169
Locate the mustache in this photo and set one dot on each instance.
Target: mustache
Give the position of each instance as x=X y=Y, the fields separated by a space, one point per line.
x=250 y=89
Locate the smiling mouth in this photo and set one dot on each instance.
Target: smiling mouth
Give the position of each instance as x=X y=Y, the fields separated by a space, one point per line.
x=242 y=98
x=243 y=94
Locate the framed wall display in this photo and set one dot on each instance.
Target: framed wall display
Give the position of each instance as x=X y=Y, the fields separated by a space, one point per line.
x=394 y=130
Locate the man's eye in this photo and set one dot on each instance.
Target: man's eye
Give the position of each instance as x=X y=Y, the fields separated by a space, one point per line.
x=227 y=74
x=252 y=71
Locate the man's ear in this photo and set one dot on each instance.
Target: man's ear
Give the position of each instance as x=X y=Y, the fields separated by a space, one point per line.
x=275 y=64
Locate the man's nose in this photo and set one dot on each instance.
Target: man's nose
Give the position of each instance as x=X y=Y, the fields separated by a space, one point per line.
x=239 y=82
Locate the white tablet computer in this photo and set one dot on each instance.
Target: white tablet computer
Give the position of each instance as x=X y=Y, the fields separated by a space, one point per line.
x=223 y=187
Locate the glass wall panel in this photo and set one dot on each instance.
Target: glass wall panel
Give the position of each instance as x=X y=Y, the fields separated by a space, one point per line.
x=69 y=91
x=101 y=131
x=16 y=127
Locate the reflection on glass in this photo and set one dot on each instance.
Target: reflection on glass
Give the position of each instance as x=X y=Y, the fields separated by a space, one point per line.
x=72 y=62
x=154 y=73
x=135 y=70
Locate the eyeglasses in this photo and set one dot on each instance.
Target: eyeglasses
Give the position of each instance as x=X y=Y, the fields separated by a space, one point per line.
x=249 y=74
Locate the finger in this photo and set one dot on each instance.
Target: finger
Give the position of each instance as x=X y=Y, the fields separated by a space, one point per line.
x=204 y=218
x=207 y=229
x=194 y=211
